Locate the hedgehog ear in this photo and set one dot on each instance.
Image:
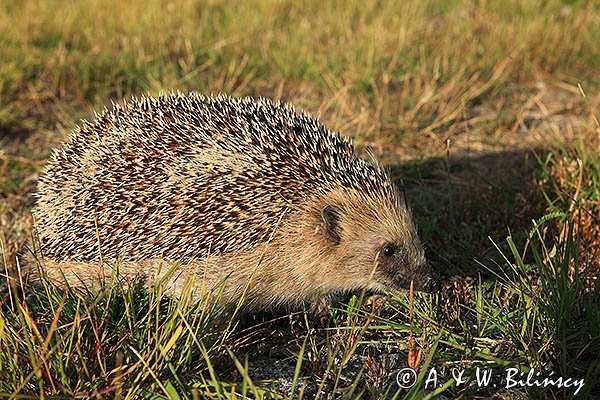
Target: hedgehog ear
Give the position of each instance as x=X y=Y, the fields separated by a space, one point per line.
x=403 y=198
x=331 y=219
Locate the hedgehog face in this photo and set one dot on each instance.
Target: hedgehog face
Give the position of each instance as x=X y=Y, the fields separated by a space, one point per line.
x=383 y=251
x=399 y=263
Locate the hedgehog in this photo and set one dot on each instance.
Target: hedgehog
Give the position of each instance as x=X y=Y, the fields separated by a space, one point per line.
x=244 y=194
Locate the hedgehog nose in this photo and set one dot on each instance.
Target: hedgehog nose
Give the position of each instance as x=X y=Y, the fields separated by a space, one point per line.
x=431 y=284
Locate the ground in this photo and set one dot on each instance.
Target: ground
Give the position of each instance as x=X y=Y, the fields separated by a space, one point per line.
x=485 y=111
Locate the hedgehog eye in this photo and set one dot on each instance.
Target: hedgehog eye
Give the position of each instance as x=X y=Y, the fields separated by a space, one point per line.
x=388 y=250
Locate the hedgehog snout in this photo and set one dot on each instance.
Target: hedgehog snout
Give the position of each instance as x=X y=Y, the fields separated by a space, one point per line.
x=430 y=284
x=425 y=280
x=400 y=266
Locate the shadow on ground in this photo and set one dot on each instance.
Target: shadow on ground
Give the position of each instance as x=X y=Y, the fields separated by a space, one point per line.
x=466 y=205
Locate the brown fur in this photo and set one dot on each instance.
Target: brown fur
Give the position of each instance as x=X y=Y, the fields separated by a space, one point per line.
x=300 y=262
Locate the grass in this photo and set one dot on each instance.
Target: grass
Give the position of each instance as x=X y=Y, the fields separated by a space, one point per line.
x=453 y=96
x=122 y=344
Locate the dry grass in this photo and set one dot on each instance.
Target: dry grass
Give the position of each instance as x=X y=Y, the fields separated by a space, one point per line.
x=452 y=95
